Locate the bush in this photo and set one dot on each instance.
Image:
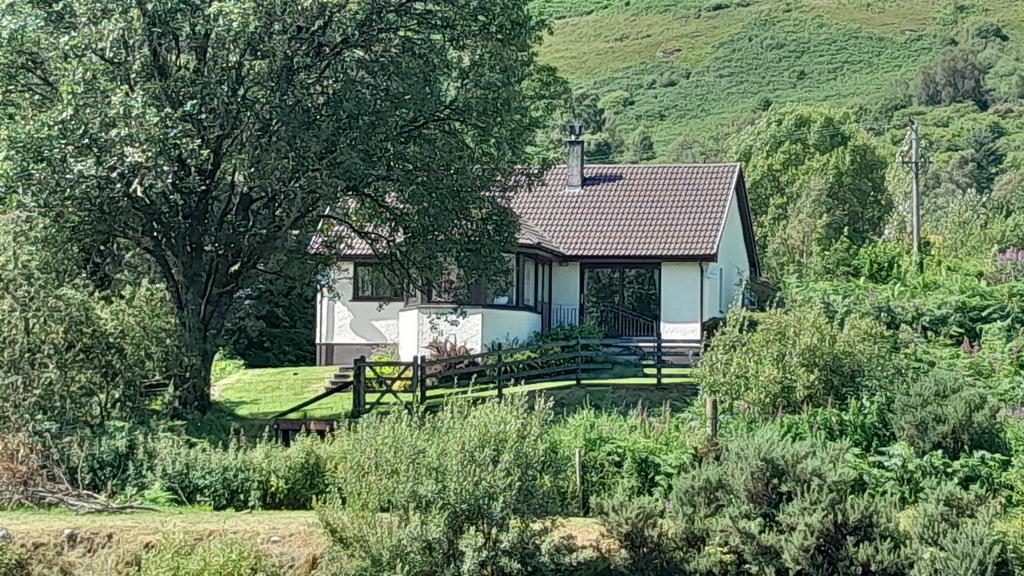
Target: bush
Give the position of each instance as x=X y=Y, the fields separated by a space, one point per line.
x=12 y=562
x=636 y=454
x=241 y=476
x=638 y=525
x=948 y=412
x=957 y=76
x=785 y=361
x=215 y=557
x=72 y=354
x=465 y=487
x=784 y=506
x=954 y=532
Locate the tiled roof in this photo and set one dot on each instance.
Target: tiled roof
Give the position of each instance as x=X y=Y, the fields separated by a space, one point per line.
x=665 y=210
x=669 y=210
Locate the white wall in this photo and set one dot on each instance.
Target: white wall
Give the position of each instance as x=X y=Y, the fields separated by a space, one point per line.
x=565 y=292
x=504 y=325
x=680 y=300
x=342 y=321
x=732 y=257
x=475 y=328
x=421 y=326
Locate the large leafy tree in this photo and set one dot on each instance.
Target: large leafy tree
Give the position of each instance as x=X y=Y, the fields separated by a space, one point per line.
x=816 y=182
x=213 y=136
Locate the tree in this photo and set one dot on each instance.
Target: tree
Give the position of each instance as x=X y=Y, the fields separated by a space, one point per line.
x=813 y=177
x=213 y=136
x=71 y=354
x=641 y=146
x=957 y=76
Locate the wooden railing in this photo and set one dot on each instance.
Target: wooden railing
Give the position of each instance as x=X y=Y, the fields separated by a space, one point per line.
x=579 y=362
x=574 y=362
x=620 y=322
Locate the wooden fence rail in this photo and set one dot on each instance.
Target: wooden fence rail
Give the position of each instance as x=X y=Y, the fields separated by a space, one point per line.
x=422 y=380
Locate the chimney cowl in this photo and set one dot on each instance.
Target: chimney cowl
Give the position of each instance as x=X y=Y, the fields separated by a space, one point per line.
x=574 y=158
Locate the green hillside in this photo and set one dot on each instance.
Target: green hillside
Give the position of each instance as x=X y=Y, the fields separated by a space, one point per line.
x=694 y=68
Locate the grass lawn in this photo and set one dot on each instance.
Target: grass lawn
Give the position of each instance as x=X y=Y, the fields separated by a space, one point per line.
x=258 y=394
x=262 y=392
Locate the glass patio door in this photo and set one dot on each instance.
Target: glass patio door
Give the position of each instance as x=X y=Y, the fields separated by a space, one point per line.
x=623 y=300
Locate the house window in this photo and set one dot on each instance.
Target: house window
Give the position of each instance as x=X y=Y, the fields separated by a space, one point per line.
x=371 y=283
x=501 y=289
x=529 y=276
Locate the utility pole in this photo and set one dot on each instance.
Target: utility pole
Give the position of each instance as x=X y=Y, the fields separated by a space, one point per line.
x=916 y=163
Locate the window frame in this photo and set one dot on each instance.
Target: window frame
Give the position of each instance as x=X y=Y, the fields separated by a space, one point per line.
x=397 y=295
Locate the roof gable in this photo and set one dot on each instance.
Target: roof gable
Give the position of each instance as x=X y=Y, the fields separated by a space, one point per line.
x=667 y=210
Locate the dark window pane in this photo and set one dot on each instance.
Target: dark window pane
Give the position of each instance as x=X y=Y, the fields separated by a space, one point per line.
x=371 y=282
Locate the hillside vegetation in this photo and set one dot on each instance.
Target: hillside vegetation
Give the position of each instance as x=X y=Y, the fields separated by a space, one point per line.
x=693 y=70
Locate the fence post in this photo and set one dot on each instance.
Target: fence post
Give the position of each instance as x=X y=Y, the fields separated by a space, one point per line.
x=359 y=387
x=416 y=382
x=579 y=359
x=658 y=359
x=579 y=481
x=711 y=407
x=497 y=377
x=421 y=372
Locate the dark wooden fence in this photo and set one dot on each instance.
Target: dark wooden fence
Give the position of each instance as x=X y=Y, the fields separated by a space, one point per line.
x=432 y=381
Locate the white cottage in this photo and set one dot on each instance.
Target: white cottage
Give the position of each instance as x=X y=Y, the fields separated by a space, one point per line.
x=643 y=251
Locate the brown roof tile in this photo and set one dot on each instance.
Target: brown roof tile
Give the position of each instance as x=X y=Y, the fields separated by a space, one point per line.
x=666 y=210
x=671 y=210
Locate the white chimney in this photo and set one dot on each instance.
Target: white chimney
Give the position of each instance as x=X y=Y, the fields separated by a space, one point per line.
x=574 y=162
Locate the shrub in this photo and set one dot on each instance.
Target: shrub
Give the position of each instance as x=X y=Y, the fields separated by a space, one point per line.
x=550 y=343
x=635 y=454
x=957 y=76
x=216 y=557
x=784 y=506
x=953 y=532
x=864 y=423
x=948 y=412
x=470 y=482
x=112 y=458
x=242 y=476
x=638 y=525
x=71 y=354
x=897 y=469
x=784 y=361
x=450 y=352
x=12 y=562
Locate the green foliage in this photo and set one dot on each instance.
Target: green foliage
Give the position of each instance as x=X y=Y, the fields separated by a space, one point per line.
x=815 y=178
x=957 y=76
x=953 y=532
x=640 y=147
x=636 y=454
x=12 y=562
x=72 y=354
x=638 y=525
x=202 y=158
x=271 y=321
x=897 y=469
x=177 y=556
x=786 y=360
x=782 y=505
x=949 y=412
x=224 y=366
x=466 y=484
x=239 y=476
x=863 y=423
x=880 y=262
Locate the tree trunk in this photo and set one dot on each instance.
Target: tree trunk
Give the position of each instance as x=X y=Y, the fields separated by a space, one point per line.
x=192 y=392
